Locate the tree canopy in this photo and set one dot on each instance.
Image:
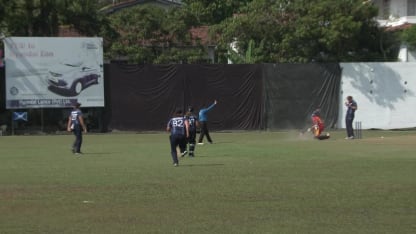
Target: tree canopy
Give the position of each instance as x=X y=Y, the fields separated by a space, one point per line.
x=243 y=31
x=151 y=34
x=304 y=31
x=409 y=37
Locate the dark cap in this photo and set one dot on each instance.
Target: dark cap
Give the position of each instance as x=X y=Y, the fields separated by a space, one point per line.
x=76 y=104
x=317 y=112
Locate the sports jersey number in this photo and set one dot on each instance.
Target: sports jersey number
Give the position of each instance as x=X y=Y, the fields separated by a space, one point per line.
x=177 y=123
x=191 y=122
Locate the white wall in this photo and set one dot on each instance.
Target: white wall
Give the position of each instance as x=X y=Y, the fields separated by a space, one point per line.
x=385 y=93
x=403 y=53
x=398 y=8
x=411 y=56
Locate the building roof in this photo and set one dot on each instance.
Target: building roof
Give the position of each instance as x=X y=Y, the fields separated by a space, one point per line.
x=201 y=34
x=398 y=27
x=68 y=31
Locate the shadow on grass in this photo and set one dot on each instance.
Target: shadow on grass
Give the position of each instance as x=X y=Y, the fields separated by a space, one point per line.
x=202 y=165
x=215 y=143
x=97 y=153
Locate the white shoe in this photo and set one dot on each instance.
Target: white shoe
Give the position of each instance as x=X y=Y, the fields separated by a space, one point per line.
x=200 y=143
x=184 y=153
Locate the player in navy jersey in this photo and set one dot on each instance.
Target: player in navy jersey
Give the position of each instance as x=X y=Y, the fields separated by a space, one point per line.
x=351 y=105
x=178 y=126
x=193 y=125
x=76 y=125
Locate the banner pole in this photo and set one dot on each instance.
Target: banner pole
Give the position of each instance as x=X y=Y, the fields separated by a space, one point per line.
x=41 y=119
x=12 y=125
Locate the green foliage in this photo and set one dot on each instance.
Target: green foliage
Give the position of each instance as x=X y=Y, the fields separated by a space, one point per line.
x=409 y=37
x=264 y=31
x=209 y=12
x=83 y=15
x=152 y=34
x=305 y=30
x=43 y=17
x=29 y=17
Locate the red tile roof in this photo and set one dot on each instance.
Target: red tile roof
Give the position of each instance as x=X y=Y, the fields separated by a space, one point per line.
x=68 y=31
x=399 y=27
x=201 y=33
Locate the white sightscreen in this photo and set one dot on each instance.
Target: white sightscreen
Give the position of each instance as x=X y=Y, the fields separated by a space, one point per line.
x=385 y=93
x=45 y=72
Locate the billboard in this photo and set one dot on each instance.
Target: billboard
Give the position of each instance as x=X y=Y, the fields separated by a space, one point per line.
x=51 y=72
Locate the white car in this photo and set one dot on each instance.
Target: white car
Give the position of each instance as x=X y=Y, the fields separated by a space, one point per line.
x=69 y=79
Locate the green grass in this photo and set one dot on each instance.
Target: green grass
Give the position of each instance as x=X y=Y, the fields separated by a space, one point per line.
x=247 y=182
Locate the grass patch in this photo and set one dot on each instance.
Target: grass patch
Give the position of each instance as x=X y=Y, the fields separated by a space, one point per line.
x=246 y=182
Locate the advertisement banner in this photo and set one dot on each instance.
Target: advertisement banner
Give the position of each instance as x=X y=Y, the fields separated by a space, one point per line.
x=51 y=72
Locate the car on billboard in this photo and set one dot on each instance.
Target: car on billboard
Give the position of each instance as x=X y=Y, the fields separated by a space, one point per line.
x=70 y=78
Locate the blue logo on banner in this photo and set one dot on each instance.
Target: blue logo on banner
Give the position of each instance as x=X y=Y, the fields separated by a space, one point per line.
x=20 y=116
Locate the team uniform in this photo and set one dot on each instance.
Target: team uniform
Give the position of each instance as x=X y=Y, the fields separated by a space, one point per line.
x=349 y=117
x=177 y=137
x=76 y=128
x=193 y=120
x=318 y=126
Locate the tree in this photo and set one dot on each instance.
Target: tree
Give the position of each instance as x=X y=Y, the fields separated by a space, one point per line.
x=43 y=17
x=305 y=30
x=82 y=15
x=4 y=7
x=409 y=37
x=209 y=12
x=29 y=18
x=151 y=34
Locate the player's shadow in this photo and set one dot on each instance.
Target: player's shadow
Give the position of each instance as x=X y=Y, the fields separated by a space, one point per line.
x=98 y=153
x=202 y=165
x=222 y=142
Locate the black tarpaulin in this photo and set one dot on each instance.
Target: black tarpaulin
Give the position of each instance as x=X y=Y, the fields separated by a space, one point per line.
x=250 y=97
x=293 y=91
x=143 y=97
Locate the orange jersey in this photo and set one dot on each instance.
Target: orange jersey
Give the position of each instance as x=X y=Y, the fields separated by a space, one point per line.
x=318 y=124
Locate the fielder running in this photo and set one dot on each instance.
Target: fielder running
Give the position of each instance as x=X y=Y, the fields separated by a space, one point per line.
x=178 y=126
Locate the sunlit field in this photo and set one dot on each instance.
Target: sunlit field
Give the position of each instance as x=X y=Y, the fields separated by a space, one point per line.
x=246 y=182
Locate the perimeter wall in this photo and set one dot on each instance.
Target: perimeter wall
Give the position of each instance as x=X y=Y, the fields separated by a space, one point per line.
x=385 y=93
x=250 y=97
